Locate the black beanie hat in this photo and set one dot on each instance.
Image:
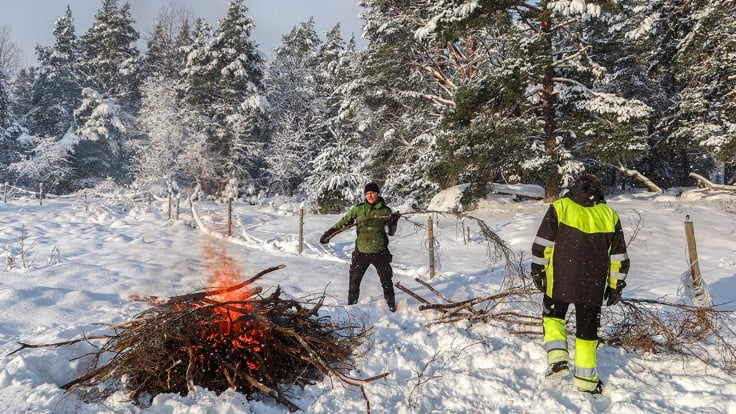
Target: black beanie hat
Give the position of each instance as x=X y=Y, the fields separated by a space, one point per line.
x=590 y=186
x=371 y=187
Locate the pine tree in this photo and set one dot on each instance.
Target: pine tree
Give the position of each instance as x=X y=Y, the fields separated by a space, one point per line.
x=706 y=60
x=545 y=90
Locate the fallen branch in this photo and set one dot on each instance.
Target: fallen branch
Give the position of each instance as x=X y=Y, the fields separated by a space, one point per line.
x=640 y=177
x=704 y=182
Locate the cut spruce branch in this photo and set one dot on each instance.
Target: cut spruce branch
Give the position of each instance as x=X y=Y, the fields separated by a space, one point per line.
x=489 y=309
x=652 y=326
x=636 y=325
x=219 y=339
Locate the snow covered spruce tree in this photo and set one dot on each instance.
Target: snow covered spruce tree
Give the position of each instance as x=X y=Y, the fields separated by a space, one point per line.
x=54 y=96
x=402 y=107
x=167 y=43
x=523 y=81
x=110 y=99
x=341 y=135
x=223 y=80
x=57 y=92
x=10 y=128
x=22 y=88
x=296 y=118
x=691 y=44
x=337 y=176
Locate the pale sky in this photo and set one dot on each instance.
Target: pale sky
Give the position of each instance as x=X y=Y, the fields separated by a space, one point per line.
x=31 y=22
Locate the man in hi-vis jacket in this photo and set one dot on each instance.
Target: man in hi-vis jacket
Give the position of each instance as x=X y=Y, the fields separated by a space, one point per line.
x=578 y=257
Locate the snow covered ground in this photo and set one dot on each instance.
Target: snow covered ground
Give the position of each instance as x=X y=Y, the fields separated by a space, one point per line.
x=83 y=259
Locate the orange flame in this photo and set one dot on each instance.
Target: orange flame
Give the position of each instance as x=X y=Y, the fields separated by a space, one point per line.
x=237 y=320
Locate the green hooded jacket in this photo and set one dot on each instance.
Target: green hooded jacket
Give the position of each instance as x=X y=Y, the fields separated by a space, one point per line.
x=373 y=222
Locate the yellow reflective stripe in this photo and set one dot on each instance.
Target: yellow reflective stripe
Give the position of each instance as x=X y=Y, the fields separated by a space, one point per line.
x=597 y=219
x=549 y=269
x=555 y=339
x=543 y=242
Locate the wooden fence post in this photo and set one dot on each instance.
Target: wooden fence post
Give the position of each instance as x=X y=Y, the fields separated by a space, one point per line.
x=40 y=194
x=229 y=217
x=701 y=296
x=430 y=236
x=301 y=229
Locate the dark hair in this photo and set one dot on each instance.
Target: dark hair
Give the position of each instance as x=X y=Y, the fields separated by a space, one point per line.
x=371 y=187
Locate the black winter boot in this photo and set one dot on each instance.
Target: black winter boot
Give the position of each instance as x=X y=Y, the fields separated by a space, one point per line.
x=557 y=369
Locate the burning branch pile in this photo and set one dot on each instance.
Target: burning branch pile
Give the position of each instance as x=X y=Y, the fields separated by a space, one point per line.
x=228 y=337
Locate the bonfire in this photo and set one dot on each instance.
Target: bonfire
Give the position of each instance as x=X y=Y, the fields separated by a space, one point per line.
x=228 y=336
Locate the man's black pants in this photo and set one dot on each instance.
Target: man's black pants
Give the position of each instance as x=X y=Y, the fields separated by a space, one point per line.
x=382 y=262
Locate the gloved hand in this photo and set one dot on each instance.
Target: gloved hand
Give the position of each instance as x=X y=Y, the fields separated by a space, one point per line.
x=613 y=296
x=394 y=218
x=538 y=277
x=326 y=236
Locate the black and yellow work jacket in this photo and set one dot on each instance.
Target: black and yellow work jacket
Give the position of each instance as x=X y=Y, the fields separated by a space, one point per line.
x=579 y=248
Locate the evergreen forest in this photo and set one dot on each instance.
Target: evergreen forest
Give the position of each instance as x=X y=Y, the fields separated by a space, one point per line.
x=445 y=92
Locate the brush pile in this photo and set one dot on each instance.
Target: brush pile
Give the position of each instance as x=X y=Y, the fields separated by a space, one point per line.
x=252 y=344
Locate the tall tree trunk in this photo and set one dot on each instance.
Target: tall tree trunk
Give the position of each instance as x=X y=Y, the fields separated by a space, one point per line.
x=552 y=183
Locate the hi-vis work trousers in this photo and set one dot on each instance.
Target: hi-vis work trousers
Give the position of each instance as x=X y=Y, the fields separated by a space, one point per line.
x=586 y=339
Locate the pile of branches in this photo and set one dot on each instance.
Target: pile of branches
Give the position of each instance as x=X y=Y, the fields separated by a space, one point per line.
x=636 y=325
x=257 y=345
x=641 y=325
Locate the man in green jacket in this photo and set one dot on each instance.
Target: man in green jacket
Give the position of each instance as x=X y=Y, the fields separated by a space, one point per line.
x=578 y=257
x=373 y=220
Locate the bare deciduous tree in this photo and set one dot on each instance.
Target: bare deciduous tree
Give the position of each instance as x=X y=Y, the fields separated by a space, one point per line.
x=10 y=53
